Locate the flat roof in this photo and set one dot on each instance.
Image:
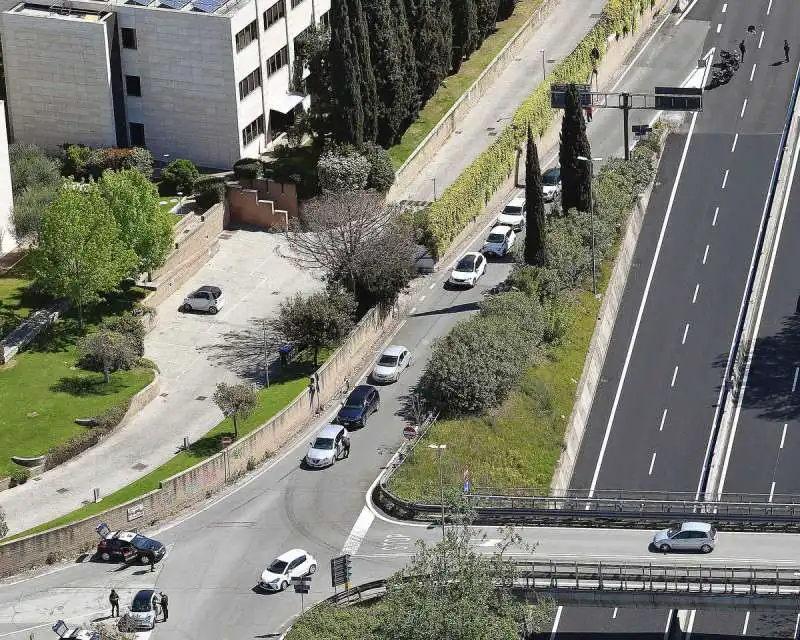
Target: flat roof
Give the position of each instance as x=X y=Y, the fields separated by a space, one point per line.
x=62 y=11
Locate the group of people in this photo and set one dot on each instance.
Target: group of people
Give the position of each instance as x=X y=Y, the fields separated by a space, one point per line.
x=786 y=49
x=162 y=603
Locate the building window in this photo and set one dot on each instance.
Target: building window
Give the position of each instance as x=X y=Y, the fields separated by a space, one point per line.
x=133 y=85
x=295 y=3
x=247 y=35
x=279 y=60
x=250 y=83
x=253 y=130
x=274 y=13
x=137 y=134
x=128 y=38
x=325 y=20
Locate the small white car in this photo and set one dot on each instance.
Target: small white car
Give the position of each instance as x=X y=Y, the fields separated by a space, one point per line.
x=144 y=609
x=206 y=298
x=513 y=215
x=499 y=241
x=686 y=536
x=393 y=361
x=327 y=446
x=467 y=271
x=551 y=184
x=295 y=563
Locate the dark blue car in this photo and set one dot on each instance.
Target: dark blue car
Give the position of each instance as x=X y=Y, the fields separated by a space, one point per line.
x=362 y=402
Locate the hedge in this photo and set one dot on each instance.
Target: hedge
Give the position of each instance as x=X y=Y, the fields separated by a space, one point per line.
x=469 y=194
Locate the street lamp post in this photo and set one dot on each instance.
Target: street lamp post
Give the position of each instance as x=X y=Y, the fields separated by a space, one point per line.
x=544 y=65
x=591 y=162
x=439 y=449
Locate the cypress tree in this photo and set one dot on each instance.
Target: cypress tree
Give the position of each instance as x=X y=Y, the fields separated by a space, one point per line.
x=369 y=91
x=487 y=18
x=408 y=62
x=431 y=47
x=536 y=232
x=312 y=51
x=465 y=30
x=575 y=174
x=445 y=54
x=345 y=80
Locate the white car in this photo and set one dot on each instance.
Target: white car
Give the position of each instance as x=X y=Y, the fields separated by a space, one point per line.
x=206 y=298
x=327 y=446
x=393 y=361
x=687 y=536
x=513 y=215
x=295 y=563
x=551 y=184
x=466 y=273
x=144 y=609
x=499 y=241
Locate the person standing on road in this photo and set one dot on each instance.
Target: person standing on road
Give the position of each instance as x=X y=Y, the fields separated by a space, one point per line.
x=165 y=605
x=113 y=598
x=588 y=113
x=346 y=445
x=742 y=49
x=786 y=49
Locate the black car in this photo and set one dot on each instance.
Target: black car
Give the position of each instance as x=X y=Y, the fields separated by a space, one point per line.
x=362 y=402
x=128 y=546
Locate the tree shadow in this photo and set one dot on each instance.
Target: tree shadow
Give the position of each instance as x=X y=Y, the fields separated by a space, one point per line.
x=83 y=386
x=456 y=308
x=208 y=445
x=57 y=338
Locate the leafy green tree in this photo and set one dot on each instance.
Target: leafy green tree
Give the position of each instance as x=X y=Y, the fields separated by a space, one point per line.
x=108 y=351
x=129 y=326
x=236 y=401
x=369 y=87
x=181 y=174
x=80 y=255
x=345 y=78
x=144 y=227
x=27 y=215
x=31 y=168
x=575 y=174
x=381 y=170
x=311 y=50
x=536 y=233
x=342 y=169
x=315 y=321
x=465 y=30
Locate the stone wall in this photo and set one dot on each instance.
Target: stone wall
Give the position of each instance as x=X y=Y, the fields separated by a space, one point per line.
x=262 y=203
x=27 y=331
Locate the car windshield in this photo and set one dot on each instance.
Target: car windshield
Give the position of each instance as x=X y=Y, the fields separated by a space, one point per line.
x=278 y=566
x=673 y=531
x=496 y=238
x=512 y=210
x=140 y=542
x=354 y=403
x=551 y=178
x=323 y=443
x=141 y=605
x=387 y=360
x=466 y=264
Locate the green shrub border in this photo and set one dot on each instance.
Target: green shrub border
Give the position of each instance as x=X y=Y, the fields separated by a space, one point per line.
x=469 y=194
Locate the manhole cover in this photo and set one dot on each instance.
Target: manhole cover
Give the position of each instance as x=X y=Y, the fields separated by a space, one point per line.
x=163 y=395
x=201 y=397
x=225 y=236
x=492 y=133
x=62 y=490
x=139 y=466
x=276 y=293
x=458 y=132
x=489 y=129
x=33 y=414
x=552 y=60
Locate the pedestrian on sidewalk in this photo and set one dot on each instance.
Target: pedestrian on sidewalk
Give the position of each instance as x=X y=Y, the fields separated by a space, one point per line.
x=786 y=49
x=165 y=605
x=742 y=49
x=113 y=598
x=588 y=110
x=152 y=565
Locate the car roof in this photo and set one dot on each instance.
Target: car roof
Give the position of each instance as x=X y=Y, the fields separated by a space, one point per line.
x=501 y=228
x=394 y=350
x=291 y=554
x=330 y=431
x=126 y=536
x=361 y=391
x=470 y=254
x=516 y=202
x=696 y=526
x=144 y=594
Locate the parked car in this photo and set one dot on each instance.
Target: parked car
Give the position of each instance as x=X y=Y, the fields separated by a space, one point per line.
x=499 y=241
x=392 y=362
x=551 y=184
x=63 y=631
x=466 y=273
x=326 y=447
x=128 y=546
x=206 y=298
x=686 y=536
x=362 y=402
x=513 y=215
x=295 y=563
x=144 y=609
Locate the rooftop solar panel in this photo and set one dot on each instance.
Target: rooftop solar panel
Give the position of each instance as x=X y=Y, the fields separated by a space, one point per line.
x=173 y=4
x=143 y=3
x=208 y=6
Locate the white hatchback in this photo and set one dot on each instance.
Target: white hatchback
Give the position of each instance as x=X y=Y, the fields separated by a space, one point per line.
x=295 y=563
x=513 y=215
x=499 y=241
x=467 y=271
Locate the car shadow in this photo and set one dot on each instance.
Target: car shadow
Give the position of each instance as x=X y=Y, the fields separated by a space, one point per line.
x=652 y=548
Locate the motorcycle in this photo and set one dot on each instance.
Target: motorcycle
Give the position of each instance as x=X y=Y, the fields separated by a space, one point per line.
x=730 y=59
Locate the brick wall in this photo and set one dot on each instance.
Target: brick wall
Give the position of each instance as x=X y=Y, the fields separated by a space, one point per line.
x=262 y=203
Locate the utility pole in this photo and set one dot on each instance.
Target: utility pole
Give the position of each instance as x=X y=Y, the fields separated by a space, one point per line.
x=439 y=449
x=266 y=352
x=626 y=109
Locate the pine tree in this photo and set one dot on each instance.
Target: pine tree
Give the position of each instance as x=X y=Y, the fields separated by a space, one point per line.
x=487 y=18
x=536 y=232
x=575 y=174
x=408 y=62
x=369 y=91
x=345 y=80
x=429 y=47
x=465 y=30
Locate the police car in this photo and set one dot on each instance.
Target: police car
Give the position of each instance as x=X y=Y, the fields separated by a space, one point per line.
x=78 y=633
x=128 y=546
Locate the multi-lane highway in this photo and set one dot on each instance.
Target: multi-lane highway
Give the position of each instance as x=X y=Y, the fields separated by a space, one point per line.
x=651 y=422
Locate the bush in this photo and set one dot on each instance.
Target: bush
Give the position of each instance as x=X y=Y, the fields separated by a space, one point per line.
x=181 y=175
x=83 y=162
x=3 y=524
x=208 y=191
x=18 y=477
x=112 y=417
x=381 y=170
x=343 y=169
x=8 y=321
x=249 y=170
x=130 y=326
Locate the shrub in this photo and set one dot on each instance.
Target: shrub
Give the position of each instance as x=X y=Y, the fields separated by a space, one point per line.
x=8 y=321
x=112 y=417
x=208 y=191
x=129 y=326
x=250 y=170
x=342 y=169
x=381 y=169
x=180 y=174
x=74 y=159
x=19 y=476
x=3 y=524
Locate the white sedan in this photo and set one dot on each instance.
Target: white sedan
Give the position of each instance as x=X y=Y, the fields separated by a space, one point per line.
x=466 y=273
x=499 y=241
x=393 y=361
x=295 y=563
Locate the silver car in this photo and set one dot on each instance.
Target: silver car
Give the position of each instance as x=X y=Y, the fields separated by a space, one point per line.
x=686 y=536
x=206 y=298
x=393 y=361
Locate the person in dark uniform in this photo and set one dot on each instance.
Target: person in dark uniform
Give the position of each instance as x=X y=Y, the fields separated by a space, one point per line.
x=786 y=50
x=346 y=445
x=164 y=605
x=742 y=49
x=113 y=598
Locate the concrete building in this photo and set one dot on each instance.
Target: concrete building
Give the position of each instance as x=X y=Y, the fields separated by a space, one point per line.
x=7 y=241
x=208 y=80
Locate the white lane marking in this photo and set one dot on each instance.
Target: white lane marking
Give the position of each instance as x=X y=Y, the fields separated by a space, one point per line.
x=652 y=462
x=769 y=7
x=674 y=375
x=491 y=542
x=757 y=325
x=686 y=12
x=735 y=140
x=433 y=285
x=761 y=39
x=705 y=254
x=744 y=106
x=796 y=626
x=358 y=532
x=640 y=313
x=413 y=310
x=685 y=332
x=746 y=621
x=727 y=171
x=663 y=418
x=719 y=27
x=771 y=491
x=752 y=71
x=614 y=615
x=555 y=623
x=641 y=51
x=714 y=221
x=783 y=435
x=794 y=382
x=696 y=289
x=421 y=298
x=690 y=624
x=724 y=7
x=46 y=624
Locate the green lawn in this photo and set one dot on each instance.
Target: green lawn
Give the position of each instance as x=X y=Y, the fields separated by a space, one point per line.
x=456 y=85
x=14 y=294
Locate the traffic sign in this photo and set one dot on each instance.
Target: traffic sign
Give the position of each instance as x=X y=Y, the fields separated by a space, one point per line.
x=679 y=98
x=410 y=432
x=302 y=581
x=341 y=570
